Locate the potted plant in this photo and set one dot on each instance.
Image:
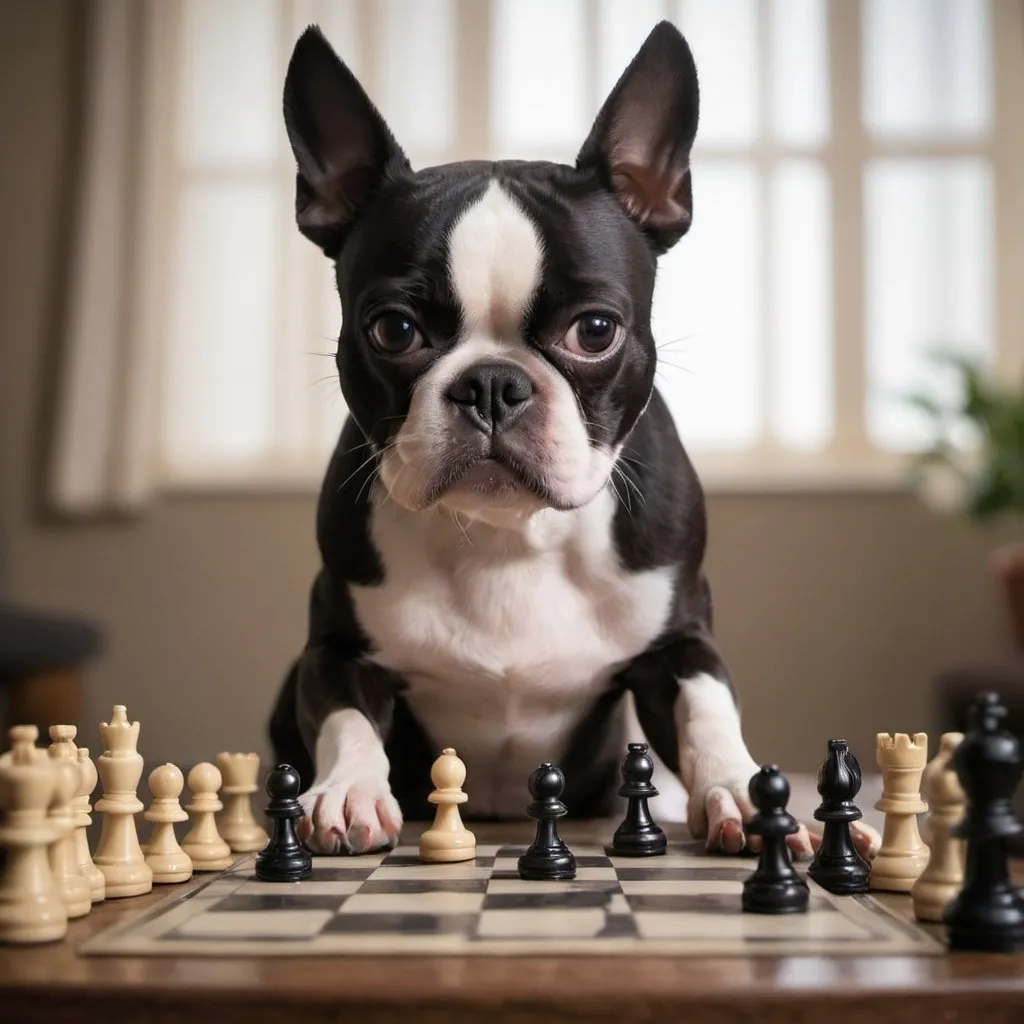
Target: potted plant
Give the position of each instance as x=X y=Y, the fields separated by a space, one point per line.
x=974 y=465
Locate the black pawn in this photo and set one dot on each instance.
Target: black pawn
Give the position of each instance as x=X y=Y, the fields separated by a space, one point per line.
x=638 y=835
x=837 y=866
x=988 y=913
x=283 y=859
x=775 y=887
x=548 y=857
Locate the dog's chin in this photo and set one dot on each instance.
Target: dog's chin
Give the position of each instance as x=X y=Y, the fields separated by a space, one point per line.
x=490 y=485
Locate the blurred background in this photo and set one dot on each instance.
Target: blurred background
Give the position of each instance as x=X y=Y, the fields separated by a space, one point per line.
x=167 y=390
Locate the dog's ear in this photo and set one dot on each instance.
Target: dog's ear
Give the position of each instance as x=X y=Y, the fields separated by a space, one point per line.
x=641 y=140
x=343 y=147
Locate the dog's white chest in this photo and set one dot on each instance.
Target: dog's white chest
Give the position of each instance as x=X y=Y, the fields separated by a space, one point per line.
x=506 y=639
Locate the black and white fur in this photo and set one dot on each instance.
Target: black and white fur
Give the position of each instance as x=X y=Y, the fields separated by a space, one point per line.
x=512 y=534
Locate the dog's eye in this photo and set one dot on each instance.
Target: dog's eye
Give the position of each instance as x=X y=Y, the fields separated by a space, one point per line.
x=591 y=335
x=395 y=334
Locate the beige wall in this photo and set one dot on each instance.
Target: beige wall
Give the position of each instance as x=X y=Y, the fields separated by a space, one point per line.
x=834 y=609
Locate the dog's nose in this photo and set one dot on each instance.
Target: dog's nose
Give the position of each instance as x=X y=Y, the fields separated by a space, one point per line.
x=491 y=395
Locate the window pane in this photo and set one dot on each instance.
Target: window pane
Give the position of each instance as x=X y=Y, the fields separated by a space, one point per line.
x=707 y=312
x=801 y=297
x=230 y=83
x=539 y=98
x=929 y=237
x=416 y=53
x=927 y=68
x=723 y=37
x=218 y=398
x=330 y=404
x=622 y=28
x=798 y=38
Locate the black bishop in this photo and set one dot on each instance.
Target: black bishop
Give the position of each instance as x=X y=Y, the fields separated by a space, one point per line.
x=837 y=866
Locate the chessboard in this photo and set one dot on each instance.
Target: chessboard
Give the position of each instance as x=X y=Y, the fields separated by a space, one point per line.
x=682 y=903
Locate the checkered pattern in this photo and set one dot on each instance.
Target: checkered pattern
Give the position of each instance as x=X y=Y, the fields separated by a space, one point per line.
x=681 y=903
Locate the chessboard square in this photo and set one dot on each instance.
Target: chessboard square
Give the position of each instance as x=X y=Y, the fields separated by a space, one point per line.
x=572 y=900
x=400 y=923
x=277 y=901
x=305 y=888
x=353 y=861
x=808 y=927
x=414 y=903
x=278 y=924
x=460 y=870
x=593 y=874
x=680 y=888
x=687 y=874
x=619 y=905
x=541 y=924
x=385 y=884
x=507 y=886
x=672 y=860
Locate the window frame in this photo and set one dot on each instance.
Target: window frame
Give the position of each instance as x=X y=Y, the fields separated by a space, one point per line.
x=849 y=461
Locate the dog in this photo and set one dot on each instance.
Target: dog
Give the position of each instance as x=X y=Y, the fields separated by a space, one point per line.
x=512 y=535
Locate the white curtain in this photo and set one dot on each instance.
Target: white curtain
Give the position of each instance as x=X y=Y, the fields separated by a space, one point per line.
x=103 y=432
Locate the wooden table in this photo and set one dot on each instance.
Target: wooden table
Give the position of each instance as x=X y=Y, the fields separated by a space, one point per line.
x=52 y=984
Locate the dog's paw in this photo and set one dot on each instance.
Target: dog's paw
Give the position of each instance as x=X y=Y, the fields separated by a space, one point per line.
x=349 y=815
x=719 y=804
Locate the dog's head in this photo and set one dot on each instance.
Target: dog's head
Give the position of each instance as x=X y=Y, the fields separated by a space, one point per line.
x=496 y=347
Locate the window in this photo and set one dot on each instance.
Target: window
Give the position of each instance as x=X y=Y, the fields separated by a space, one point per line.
x=855 y=164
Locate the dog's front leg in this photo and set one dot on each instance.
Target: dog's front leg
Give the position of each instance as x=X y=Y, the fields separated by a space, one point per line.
x=686 y=706
x=344 y=709
x=715 y=765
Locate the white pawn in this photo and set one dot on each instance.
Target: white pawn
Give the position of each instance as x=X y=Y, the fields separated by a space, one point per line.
x=203 y=843
x=447 y=839
x=75 y=888
x=237 y=824
x=168 y=861
x=119 y=855
x=22 y=737
x=943 y=878
x=83 y=819
x=31 y=907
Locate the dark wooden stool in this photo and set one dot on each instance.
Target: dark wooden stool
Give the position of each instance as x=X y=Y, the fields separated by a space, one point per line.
x=41 y=660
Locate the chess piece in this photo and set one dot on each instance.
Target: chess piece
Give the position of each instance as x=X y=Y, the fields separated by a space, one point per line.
x=283 y=859
x=31 y=907
x=903 y=855
x=74 y=889
x=236 y=823
x=942 y=877
x=22 y=737
x=638 y=835
x=118 y=854
x=447 y=840
x=837 y=866
x=203 y=843
x=774 y=887
x=547 y=857
x=83 y=819
x=167 y=860
x=988 y=913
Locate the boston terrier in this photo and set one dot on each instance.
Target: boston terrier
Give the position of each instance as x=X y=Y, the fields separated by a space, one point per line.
x=512 y=535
